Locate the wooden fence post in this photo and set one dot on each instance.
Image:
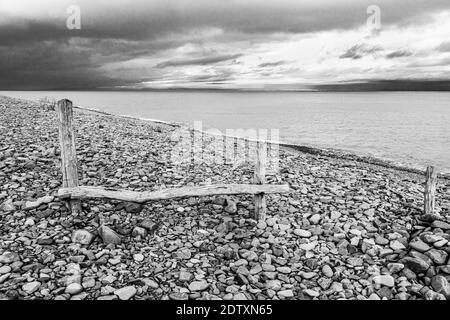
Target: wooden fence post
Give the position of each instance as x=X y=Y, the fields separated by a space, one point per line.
x=68 y=151
x=260 y=178
x=430 y=191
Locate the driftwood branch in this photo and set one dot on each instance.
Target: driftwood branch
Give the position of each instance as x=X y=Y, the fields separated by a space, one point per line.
x=86 y=192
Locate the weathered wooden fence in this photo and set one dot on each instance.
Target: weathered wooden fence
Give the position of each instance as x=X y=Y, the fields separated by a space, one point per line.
x=73 y=193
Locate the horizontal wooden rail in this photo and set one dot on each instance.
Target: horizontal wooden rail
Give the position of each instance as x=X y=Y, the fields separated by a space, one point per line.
x=87 y=192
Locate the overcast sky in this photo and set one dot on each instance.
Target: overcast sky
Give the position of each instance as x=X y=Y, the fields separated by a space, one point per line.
x=220 y=44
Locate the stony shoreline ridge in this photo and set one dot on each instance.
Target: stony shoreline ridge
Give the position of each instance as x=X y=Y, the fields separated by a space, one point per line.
x=349 y=230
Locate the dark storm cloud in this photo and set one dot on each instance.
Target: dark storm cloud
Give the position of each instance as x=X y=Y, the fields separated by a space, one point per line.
x=444 y=47
x=198 y=61
x=47 y=66
x=152 y=19
x=218 y=76
x=271 y=64
x=359 y=51
x=38 y=50
x=15 y=33
x=399 y=54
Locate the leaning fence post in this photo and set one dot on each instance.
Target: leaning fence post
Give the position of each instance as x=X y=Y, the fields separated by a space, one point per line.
x=430 y=191
x=68 y=151
x=260 y=178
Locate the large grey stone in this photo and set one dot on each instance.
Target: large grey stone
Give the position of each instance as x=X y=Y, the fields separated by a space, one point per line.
x=286 y=294
x=7 y=206
x=150 y=283
x=419 y=245
x=385 y=280
x=139 y=231
x=198 y=285
x=5 y=269
x=240 y=296
x=74 y=288
x=108 y=235
x=82 y=237
x=440 y=285
x=327 y=271
x=231 y=206
x=184 y=254
x=315 y=218
x=29 y=205
x=274 y=285
x=31 y=287
x=126 y=293
x=441 y=225
x=395 y=267
x=302 y=233
x=438 y=256
x=185 y=276
x=397 y=245
x=415 y=264
x=178 y=296
x=9 y=257
x=149 y=225
x=133 y=207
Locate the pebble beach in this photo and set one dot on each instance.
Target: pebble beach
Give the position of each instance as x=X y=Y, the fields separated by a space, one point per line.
x=349 y=229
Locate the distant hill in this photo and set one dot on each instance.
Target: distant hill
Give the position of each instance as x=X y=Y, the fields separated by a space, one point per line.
x=388 y=85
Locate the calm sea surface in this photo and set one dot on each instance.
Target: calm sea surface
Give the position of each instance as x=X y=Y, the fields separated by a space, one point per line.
x=410 y=128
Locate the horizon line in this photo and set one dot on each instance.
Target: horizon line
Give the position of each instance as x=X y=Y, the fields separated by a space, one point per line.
x=350 y=86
